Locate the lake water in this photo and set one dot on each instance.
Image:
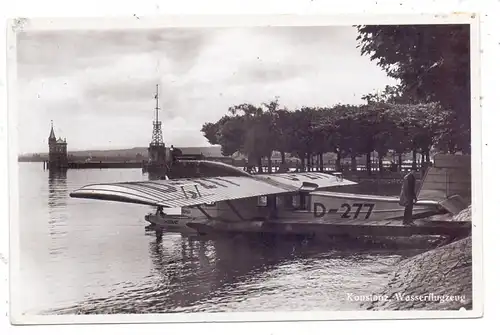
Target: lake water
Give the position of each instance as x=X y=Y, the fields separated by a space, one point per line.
x=87 y=256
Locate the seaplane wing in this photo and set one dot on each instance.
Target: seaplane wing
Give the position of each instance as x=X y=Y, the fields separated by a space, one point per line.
x=306 y=180
x=197 y=191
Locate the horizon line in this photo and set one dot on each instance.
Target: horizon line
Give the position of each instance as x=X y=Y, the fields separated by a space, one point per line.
x=119 y=149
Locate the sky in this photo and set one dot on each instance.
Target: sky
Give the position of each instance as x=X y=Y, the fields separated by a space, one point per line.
x=98 y=86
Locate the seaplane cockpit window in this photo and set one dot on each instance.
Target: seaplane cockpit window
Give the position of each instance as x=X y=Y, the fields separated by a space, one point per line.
x=209 y=204
x=301 y=202
x=290 y=202
x=307 y=203
x=262 y=201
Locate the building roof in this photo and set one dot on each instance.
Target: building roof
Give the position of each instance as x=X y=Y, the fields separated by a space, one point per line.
x=52 y=135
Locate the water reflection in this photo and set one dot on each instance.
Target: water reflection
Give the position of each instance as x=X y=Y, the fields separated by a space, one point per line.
x=94 y=257
x=57 y=188
x=57 y=203
x=193 y=274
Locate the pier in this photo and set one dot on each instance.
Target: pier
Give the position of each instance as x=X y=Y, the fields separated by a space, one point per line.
x=94 y=165
x=105 y=165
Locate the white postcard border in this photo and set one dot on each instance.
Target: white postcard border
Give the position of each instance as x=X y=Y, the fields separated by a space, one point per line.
x=39 y=24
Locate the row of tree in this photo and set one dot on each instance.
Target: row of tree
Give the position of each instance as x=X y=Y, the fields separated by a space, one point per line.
x=430 y=108
x=432 y=64
x=346 y=130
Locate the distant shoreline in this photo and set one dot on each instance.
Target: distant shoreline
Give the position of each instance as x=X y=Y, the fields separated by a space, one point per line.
x=124 y=154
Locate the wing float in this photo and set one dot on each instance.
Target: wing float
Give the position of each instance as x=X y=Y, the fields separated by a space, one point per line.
x=197 y=191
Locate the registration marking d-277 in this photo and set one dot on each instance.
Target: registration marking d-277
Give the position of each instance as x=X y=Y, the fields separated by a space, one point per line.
x=348 y=211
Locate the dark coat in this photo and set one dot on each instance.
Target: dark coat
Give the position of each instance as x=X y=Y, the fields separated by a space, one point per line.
x=408 y=190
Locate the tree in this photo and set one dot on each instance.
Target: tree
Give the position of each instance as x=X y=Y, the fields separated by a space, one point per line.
x=211 y=131
x=259 y=133
x=386 y=127
x=322 y=133
x=278 y=135
x=432 y=63
x=417 y=127
x=349 y=138
x=368 y=124
x=390 y=95
x=346 y=130
x=280 y=118
x=281 y=123
x=232 y=135
x=300 y=128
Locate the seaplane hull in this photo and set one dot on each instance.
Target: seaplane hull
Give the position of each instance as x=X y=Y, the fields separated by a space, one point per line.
x=321 y=209
x=383 y=221
x=273 y=202
x=168 y=224
x=340 y=207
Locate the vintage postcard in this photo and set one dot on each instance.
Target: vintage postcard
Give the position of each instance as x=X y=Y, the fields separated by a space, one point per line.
x=244 y=168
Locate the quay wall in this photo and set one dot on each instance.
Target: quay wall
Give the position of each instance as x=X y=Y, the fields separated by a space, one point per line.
x=439 y=273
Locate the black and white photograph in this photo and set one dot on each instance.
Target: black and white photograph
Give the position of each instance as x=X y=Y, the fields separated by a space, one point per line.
x=230 y=171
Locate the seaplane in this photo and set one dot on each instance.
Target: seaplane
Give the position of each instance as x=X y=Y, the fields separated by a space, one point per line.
x=204 y=197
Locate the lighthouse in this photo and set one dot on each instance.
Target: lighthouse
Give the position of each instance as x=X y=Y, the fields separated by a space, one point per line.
x=58 y=152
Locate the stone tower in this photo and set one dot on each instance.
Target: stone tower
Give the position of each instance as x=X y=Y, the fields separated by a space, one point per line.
x=58 y=151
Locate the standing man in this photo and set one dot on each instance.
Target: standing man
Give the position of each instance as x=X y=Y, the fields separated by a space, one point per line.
x=408 y=196
x=175 y=153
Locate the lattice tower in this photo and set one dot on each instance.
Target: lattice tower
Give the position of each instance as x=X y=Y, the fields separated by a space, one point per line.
x=157 y=137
